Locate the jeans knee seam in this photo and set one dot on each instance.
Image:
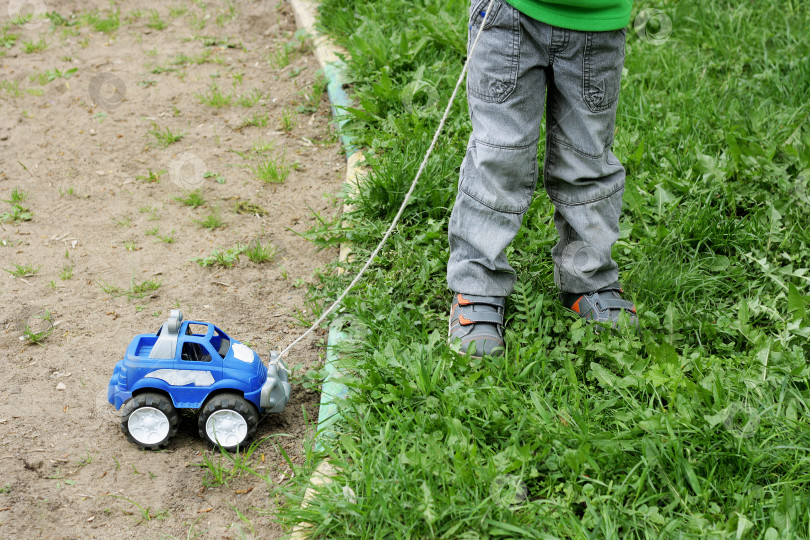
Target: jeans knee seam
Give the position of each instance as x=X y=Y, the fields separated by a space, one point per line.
x=578 y=151
x=506 y=147
x=499 y=210
x=589 y=201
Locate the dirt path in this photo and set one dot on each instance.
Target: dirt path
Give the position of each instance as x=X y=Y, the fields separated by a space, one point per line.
x=112 y=248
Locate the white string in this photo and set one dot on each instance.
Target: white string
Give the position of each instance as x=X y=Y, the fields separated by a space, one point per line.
x=407 y=198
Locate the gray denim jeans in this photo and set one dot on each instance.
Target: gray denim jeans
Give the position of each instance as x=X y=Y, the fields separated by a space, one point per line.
x=520 y=68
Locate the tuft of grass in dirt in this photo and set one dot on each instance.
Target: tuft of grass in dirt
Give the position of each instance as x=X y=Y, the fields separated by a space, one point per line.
x=66 y=272
x=272 y=170
x=193 y=199
x=177 y=11
x=35 y=46
x=215 y=97
x=36 y=337
x=155 y=22
x=289 y=120
x=256 y=120
x=135 y=290
x=260 y=253
x=279 y=57
x=146 y=513
x=100 y=23
x=225 y=258
x=22 y=270
x=218 y=178
x=164 y=138
x=167 y=238
x=312 y=96
x=212 y=221
x=151 y=176
x=250 y=99
x=124 y=222
x=7 y=39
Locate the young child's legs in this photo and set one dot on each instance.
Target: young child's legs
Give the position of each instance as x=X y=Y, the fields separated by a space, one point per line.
x=582 y=177
x=516 y=59
x=506 y=86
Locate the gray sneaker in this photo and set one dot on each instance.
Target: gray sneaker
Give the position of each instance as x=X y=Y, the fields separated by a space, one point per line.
x=477 y=321
x=602 y=306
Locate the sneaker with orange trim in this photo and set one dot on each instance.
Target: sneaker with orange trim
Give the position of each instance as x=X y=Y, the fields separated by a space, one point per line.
x=602 y=306
x=477 y=323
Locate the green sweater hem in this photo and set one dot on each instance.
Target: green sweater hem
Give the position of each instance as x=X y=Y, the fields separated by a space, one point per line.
x=610 y=15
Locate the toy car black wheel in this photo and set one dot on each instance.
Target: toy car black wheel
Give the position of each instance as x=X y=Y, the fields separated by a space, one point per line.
x=228 y=421
x=149 y=420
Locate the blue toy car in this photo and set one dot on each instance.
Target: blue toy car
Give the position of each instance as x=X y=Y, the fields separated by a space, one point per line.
x=194 y=365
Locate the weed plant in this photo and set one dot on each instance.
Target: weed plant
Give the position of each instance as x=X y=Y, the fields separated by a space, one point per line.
x=272 y=170
x=193 y=199
x=225 y=258
x=697 y=428
x=164 y=138
x=212 y=221
x=260 y=253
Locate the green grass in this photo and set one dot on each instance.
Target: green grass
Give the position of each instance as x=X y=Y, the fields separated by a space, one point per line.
x=289 y=119
x=212 y=221
x=167 y=238
x=151 y=176
x=135 y=290
x=260 y=253
x=312 y=95
x=256 y=120
x=7 y=39
x=696 y=429
x=272 y=170
x=193 y=199
x=225 y=258
x=215 y=97
x=164 y=138
x=106 y=24
x=36 y=337
x=155 y=22
x=22 y=270
x=35 y=46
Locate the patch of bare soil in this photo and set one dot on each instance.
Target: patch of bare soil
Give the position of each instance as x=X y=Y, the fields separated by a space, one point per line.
x=109 y=248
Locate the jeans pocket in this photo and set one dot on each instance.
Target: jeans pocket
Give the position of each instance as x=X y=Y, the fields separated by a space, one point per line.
x=602 y=70
x=492 y=73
